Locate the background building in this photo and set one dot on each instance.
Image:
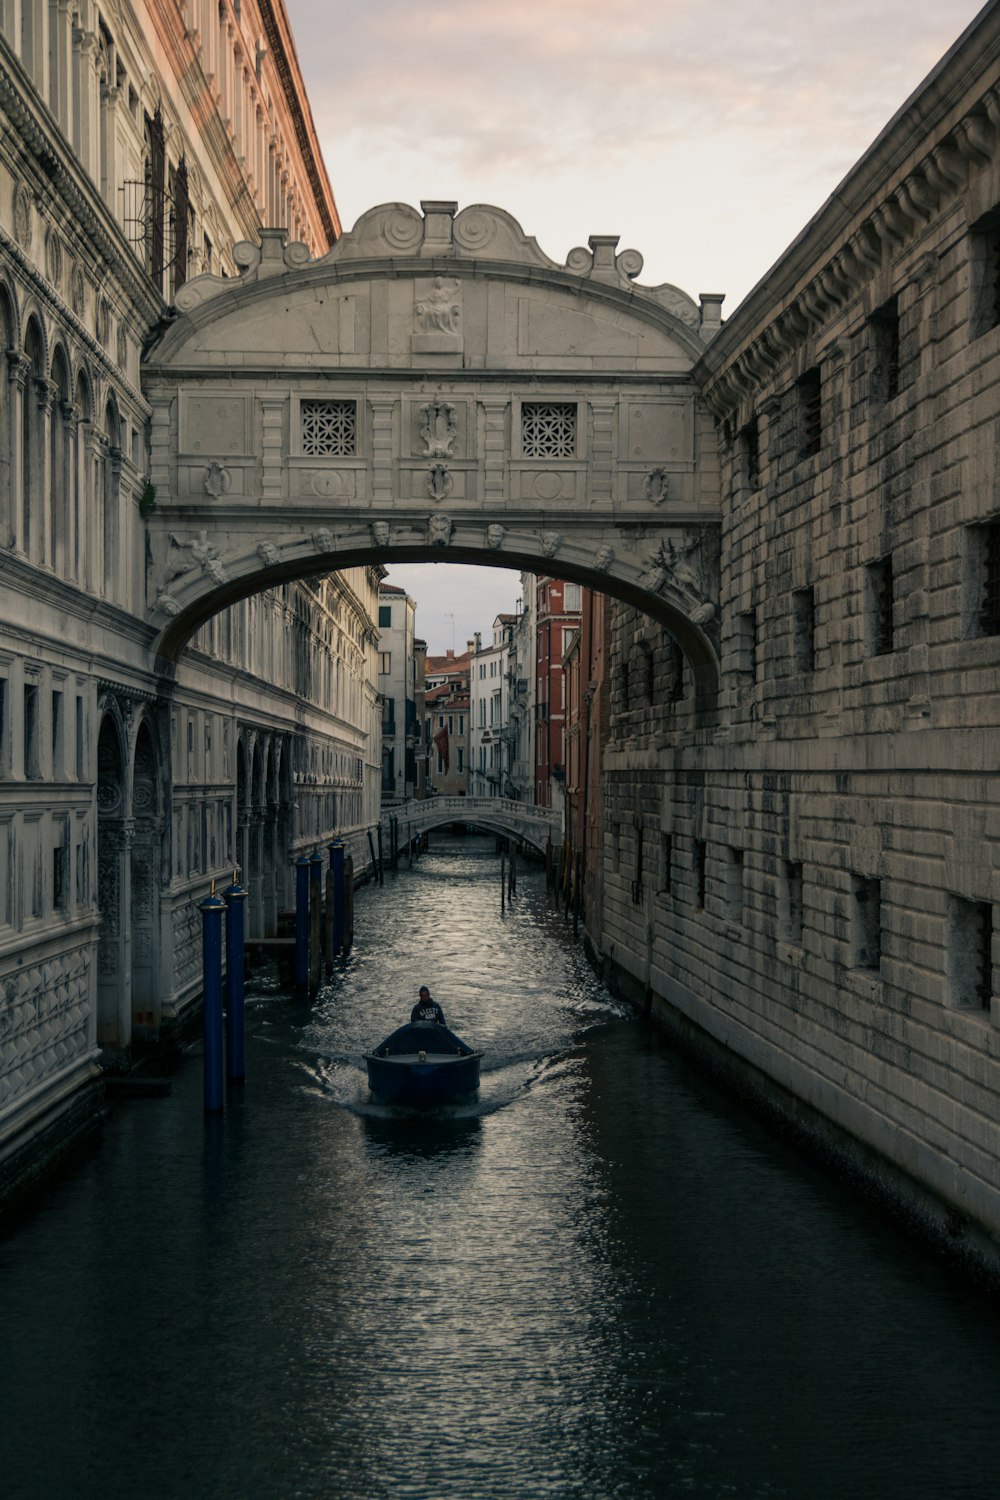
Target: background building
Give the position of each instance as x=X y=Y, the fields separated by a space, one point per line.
x=397 y=684
x=447 y=722
x=557 y=617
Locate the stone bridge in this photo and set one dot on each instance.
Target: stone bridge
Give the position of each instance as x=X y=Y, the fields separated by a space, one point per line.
x=521 y=820
x=434 y=389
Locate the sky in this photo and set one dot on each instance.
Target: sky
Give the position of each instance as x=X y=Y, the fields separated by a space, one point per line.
x=706 y=133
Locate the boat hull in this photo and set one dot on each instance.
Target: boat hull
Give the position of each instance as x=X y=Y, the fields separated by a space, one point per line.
x=422 y=1064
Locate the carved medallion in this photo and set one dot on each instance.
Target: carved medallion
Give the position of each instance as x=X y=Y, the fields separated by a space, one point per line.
x=439 y=310
x=656 y=486
x=218 y=481
x=78 y=292
x=548 y=486
x=438 y=428
x=53 y=259
x=439 y=483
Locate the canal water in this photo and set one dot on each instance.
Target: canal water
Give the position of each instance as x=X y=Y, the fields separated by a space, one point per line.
x=601 y=1280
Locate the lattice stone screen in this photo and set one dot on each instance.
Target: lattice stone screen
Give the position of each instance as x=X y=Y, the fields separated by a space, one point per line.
x=548 y=429
x=329 y=428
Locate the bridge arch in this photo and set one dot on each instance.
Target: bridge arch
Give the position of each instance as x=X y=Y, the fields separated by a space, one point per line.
x=434 y=389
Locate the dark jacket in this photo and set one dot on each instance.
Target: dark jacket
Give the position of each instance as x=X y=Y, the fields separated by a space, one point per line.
x=429 y=1011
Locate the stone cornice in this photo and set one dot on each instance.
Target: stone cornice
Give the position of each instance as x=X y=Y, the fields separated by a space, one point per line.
x=946 y=132
x=286 y=64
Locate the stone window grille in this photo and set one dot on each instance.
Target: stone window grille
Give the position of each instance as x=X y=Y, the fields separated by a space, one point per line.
x=666 y=863
x=329 y=428
x=984 y=255
x=970 y=953
x=810 y=396
x=734 y=885
x=880 y=601
x=700 y=872
x=804 y=623
x=989 y=604
x=791 y=905
x=885 y=341
x=750 y=454
x=867 y=921
x=548 y=429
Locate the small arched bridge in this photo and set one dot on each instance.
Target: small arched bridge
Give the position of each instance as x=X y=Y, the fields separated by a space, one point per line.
x=521 y=820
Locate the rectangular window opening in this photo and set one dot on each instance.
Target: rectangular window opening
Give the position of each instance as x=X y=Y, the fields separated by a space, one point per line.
x=880 y=601
x=804 y=629
x=867 y=922
x=750 y=454
x=700 y=871
x=32 y=765
x=970 y=953
x=791 y=903
x=810 y=394
x=885 y=349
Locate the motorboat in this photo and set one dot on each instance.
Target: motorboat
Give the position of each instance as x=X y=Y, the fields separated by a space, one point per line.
x=422 y=1063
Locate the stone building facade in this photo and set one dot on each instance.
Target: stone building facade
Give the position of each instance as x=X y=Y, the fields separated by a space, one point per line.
x=139 y=145
x=810 y=890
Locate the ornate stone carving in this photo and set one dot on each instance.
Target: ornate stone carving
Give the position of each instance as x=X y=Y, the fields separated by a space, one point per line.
x=103 y=320
x=218 y=481
x=439 y=530
x=551 y=542
x=603 y=558
x=323 y=539
x=78 y=292
x=381 y=532
x=684 y=567
x=22 y=216
x=121 y=348
x=268 y=553
x=167 y=604
x=205 y=553
x=439 y=310
x=438 y=428
x=495 y=535
x=656 y=486
x=53 y=259
x=439 y=483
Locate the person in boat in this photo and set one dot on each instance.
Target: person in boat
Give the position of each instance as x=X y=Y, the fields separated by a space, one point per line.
x=427 y=1009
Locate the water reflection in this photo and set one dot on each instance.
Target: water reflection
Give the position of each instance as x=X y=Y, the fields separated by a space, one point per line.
x=598 y=1280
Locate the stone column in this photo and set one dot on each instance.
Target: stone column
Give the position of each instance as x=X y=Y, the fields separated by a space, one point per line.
x=67 y=547
x=495 y=452
x=273 y=455
x=382 y=476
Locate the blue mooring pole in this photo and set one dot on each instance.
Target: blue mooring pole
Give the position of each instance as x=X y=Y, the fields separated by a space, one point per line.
x=302 y=923
x=337 y=869
x=211 y=959
x=236 y=1062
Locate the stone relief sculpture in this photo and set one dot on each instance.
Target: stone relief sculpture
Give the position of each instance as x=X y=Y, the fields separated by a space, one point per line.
x=381 y=532
x=684 y=567
x=438 y=428
x=656 y=486
x=438 y=310
x=495 y=535
x=205 y=553
x=603 y=558
x=268 y=553
x=323 y=539
x=218 y=481
x=167 y=604
x=439 y=483
x=439 y=530
x=551 y=542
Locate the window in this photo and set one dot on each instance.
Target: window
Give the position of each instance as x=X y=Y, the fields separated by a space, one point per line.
x=675 y=672
x=666 y=863
x=734 y=885
x=747 y=644
x=572 y=597
x=57 y=735
x=804 y=629
x=810 y=396
x=700 y=872
x=885 y=350
x=329 y=428
x=460 y=764
x=750 y=454
x=790 y=902
x=385 y=662
x=879 y=606
x=984 y=280
x=983 y=593
x=385 y=617
x=970 y=953
x=32 y=765
x=866 y=922
x=548 y=429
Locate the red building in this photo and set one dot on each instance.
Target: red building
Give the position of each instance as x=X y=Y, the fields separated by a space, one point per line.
x=557 y=616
